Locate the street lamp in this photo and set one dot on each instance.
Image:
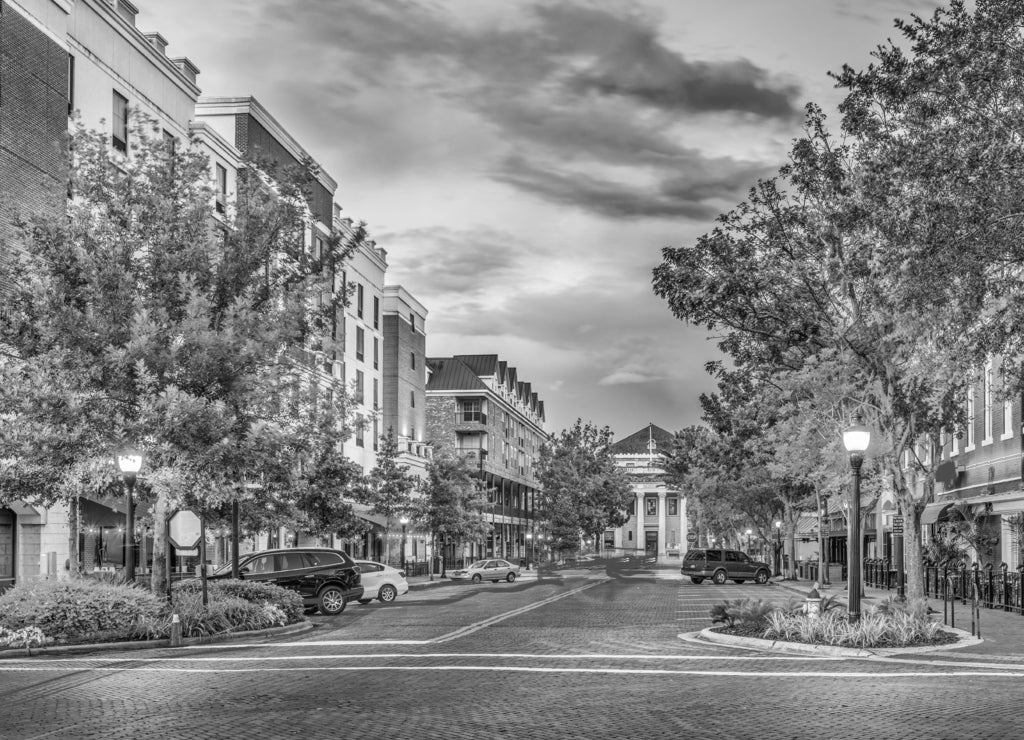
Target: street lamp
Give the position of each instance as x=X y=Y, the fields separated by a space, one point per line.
x=129 y=462
x=404 y=521
x=856 y=438
x=778 y=548
x=529 y=542
x=749 y=532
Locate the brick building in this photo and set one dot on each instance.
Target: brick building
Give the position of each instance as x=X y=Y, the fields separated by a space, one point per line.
x=478 y=408
x=657 y=515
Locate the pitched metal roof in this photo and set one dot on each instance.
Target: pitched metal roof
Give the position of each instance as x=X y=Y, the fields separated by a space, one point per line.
x=481 y=364
x=452 y=374
x=639 y=442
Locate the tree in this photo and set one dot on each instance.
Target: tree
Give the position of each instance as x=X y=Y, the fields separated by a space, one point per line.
x=138 y=318
x=584 y=491
x=388 y=487
x=452 y=502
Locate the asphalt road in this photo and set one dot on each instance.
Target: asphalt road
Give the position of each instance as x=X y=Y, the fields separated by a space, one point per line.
x=580 y=657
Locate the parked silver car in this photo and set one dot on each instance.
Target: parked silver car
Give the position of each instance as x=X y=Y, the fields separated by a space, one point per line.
x=494 y=570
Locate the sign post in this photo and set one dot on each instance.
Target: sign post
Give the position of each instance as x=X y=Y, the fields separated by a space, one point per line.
x=186 y=530
x=897 y=555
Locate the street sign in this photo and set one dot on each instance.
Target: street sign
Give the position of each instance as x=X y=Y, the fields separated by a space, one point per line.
x=897 y=525
x=185 y=530
x=190 y=552
x=691 y=537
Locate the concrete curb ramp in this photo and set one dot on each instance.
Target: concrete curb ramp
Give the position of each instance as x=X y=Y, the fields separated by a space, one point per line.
x=832 y=651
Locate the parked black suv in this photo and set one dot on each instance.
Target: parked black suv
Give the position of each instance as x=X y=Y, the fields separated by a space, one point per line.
x=326 y=579
x=723 y=565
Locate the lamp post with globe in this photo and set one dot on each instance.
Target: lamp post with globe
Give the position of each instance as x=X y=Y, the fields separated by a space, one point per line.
x=129 y=462
x=856 y=438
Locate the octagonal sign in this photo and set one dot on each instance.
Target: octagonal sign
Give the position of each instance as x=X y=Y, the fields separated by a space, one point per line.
x=186 y=529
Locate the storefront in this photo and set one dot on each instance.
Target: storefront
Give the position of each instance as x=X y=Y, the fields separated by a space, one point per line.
x=7 y=519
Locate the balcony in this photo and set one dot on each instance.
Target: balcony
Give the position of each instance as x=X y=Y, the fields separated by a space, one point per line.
x=470 y=421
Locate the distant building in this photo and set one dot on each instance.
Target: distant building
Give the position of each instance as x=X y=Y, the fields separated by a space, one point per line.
x=405 y=377
x=478 y=408
x=657 y=515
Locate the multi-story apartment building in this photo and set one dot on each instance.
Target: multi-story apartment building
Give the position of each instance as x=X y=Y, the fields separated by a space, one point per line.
x=61 y=58
x=404 y=391
x=478 y=408
x=657 y=515
x=979 y=466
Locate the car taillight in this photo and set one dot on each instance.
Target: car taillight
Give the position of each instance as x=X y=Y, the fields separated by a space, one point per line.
x=401 y=573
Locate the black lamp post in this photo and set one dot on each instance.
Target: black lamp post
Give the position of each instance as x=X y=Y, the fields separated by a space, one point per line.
x=856 y=438
x=778 y=548
x=129 y=462
x=529 y=541
x=404 y=520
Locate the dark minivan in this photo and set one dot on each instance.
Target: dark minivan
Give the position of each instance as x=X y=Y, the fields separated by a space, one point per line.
x=723 y=565
x=325 y=579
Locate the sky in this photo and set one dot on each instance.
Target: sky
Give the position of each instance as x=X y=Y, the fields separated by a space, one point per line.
x=524 y=162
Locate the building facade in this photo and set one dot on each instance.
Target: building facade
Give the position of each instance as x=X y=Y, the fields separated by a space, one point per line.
x=657 y=523
x=479 y=409
x=404 y=382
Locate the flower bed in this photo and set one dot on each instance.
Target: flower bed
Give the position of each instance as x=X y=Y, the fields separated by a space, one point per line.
x=89 y=611
x=891 y=624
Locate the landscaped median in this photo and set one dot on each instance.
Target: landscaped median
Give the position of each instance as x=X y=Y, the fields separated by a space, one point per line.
x=890 y=627
x=83 y=611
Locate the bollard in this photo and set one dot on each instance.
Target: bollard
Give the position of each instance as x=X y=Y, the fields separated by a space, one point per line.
x=175 y=631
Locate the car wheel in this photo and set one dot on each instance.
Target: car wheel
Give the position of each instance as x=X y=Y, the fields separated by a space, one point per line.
x=332 y=601
x=477 y=578
x=720 y=577
x=738 y=580
x=761 y=577
x=387 y=593
x=696 y=580
x=365 y=601
x=510 y=577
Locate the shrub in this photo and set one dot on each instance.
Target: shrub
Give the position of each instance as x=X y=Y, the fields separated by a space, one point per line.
x=742 y=611
x=77 y=609
x=256 y=592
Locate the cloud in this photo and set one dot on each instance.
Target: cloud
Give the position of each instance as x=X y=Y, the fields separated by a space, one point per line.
x=622 y=377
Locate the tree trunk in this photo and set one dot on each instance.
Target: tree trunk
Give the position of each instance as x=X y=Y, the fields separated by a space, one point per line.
x=159 y=578
x=74 y=556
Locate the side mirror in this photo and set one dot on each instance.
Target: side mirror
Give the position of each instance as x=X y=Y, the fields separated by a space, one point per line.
x=242 y=571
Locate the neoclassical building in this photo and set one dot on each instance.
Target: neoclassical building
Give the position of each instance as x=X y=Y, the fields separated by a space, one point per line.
x=657 y=515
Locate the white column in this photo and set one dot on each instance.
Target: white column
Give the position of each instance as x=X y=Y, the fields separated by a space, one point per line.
x=662 y=529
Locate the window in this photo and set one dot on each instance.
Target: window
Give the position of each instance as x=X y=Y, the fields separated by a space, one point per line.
x=632 y=506
x=359 y=436
x=376 y=312
x=412 y=360
x=472 y=411
x=412 y=399
x=359 y=300
x=318 y=247
x=651 y=506
x=359 y=386
x=71 y=85
x=376 y=353
x=970 y=419
x=986 y=398
x=375 y=395
x=171 y=142
x=119 y=123
x=376 y=433
x=360 y=340
x=673 y=507
x=412 y=322
x=222 y=188
x=1007 y=419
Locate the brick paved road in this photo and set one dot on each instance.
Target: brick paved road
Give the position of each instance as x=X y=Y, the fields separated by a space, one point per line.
x=580 y=657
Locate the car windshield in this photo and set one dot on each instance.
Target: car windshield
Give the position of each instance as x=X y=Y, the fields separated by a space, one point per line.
x=226 y=568
x=479 y=564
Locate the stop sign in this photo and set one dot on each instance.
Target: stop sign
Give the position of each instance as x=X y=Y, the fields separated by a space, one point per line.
x=185 y=529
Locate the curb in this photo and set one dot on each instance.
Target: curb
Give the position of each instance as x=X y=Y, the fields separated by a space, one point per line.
x=710 y=635
x=287 y=629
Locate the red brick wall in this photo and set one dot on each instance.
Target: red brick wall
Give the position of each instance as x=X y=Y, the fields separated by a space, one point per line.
x=33 y=123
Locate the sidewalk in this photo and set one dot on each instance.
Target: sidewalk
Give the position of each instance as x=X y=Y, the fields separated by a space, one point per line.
x=1002 y=632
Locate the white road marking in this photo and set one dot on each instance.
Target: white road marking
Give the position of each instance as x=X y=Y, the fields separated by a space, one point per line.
x=533 y=669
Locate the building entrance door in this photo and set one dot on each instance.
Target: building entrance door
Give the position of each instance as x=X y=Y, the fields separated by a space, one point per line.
x=651 y=544
x=6 y=549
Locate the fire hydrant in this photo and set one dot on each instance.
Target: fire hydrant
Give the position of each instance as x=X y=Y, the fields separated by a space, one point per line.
x=812 y=604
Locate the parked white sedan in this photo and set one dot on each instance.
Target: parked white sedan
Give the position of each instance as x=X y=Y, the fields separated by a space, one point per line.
x=381 y=582
x=494 y=570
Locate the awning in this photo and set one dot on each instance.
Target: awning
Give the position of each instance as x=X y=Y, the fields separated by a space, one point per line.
x=934 y=512
x=806 y=526
x=95 y=514
x=375 y=519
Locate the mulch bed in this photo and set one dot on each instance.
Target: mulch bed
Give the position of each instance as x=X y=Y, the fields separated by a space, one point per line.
x=747 y=630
